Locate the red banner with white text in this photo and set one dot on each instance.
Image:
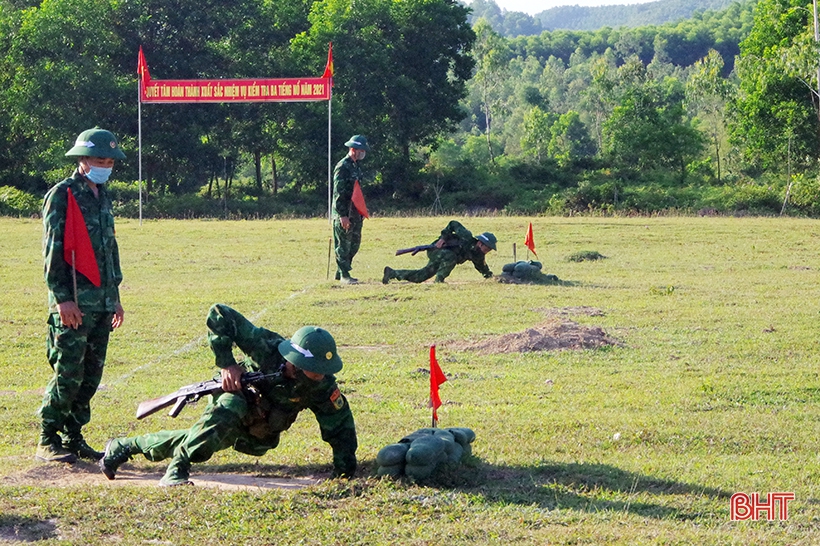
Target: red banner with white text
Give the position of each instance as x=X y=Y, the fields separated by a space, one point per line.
x=236 y=90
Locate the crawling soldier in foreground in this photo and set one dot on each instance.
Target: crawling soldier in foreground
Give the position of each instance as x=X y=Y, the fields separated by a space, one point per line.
x=251 y=419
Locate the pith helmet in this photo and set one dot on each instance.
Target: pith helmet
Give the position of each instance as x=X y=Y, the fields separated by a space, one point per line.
x=97 y=142
x=488 y=239
x=312 y=349
x=359 y=142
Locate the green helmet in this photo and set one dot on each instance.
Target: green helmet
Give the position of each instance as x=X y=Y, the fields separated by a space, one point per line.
x=97 y=142
x=312 y=349
x=522 y=270
x=359 y=142
x=488 y=239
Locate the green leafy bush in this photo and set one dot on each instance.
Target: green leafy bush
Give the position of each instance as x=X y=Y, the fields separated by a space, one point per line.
x=744 y=198
x=14 y=202
x=805 y=195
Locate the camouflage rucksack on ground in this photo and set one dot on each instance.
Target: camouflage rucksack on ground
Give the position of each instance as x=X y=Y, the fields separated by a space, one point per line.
x=529 y=271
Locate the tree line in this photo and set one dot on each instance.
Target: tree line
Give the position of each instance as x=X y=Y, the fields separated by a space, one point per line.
x=718 y=112
x=574 y=17
x=401 y=70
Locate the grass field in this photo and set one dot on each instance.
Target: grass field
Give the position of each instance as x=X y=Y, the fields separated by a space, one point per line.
x=713 y=391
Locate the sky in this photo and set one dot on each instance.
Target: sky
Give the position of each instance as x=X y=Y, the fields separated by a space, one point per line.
x=537 y=6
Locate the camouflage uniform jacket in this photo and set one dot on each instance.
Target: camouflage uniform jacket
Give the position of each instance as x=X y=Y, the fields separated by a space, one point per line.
x=99 y=220
x=345 y=175
x=461 y=242
x=283 y=400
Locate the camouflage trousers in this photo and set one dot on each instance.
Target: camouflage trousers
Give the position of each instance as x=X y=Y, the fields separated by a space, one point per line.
x=77 y=358
x=346 y=245
x=440 y=262
x=225 y=423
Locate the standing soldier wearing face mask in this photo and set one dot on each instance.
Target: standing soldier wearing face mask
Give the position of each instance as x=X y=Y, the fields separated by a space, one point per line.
x=347 y=219
x=82 y=273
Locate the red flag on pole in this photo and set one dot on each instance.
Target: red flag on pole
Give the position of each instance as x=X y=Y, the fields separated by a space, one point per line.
x=436 y=378
x=77 y=249
x=142 y=68
x=329 y=66
x=529 y=241
x=358 y=200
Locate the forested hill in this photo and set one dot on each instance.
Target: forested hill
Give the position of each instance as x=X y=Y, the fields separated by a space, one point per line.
x=514 y=23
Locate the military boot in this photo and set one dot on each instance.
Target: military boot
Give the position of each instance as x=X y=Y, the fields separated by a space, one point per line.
x=177 y=473
x=117 y=451
x=78 y=446
x=54 y=453
x=388 y=274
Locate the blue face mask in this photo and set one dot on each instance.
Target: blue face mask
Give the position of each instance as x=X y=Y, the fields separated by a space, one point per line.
x=98 y=175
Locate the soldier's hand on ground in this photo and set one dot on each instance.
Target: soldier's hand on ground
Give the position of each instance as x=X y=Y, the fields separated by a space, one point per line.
x=70 y=314
x=345 y=221
x=232 y=378
x=119 y=315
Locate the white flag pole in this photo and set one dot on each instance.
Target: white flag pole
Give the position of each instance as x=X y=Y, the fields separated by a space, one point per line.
x=139 y=140
x=329 y=162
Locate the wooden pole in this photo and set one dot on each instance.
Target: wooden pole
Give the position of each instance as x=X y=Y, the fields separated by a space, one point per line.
x=74 y=275
x=329 y=242
x=514 y=260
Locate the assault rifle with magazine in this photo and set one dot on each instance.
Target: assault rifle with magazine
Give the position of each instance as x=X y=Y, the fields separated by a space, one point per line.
x=191 y=393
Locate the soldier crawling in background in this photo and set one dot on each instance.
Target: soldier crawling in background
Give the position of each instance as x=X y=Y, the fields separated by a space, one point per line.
x=250 y=420
x=455 y=246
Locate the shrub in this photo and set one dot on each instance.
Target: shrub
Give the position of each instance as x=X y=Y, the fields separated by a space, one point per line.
x=805 y=195
x=744 y=198
x=14 y=202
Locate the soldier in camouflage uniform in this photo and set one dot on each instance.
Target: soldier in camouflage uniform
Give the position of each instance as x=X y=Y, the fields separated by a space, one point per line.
x=347 y=222
x=79 y=322
x=455 y=246
x=250 y=419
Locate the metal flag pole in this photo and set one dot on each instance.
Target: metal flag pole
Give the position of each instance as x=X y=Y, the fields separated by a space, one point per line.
x=139 y=140
x=329 y=177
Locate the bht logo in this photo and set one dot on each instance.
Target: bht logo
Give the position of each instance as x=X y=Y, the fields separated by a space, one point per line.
x=775 y=505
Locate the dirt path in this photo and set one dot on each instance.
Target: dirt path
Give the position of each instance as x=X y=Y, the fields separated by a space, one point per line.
x=88 y=474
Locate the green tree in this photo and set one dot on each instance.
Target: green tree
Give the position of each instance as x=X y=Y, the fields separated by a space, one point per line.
x=647 y=130
x=492 y=56
x=768 y=87
x=569 y=139
x=706 y=94
x=599 y=98
x=537 y=134
x=60 y=78
x=401 y=70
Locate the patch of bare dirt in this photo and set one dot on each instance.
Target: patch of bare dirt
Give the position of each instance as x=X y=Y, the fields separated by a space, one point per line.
x=83 y=474
x=552 y=335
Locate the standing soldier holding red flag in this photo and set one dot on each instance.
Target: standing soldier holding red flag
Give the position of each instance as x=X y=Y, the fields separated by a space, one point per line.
x=348 y=207
x=82 y=272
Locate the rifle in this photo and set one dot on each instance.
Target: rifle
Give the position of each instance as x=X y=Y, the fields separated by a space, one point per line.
x=415 y=249
x=191 y=393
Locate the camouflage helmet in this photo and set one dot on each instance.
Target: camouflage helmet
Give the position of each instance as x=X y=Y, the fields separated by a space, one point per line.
x=96 y=142
x=312 y=349
x=488 y=239
x=358 y=142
